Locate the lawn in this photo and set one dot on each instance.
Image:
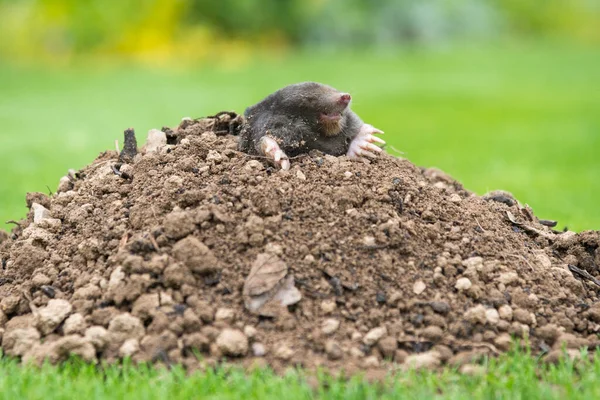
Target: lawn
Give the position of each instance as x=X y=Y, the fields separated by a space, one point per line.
x=524 y=118
x=515 y=376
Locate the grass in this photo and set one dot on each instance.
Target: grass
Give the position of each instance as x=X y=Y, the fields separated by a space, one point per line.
x=514 y=376
x=524 y=118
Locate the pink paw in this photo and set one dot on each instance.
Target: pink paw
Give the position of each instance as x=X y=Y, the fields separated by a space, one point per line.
x=271 y=150
x=362 y=145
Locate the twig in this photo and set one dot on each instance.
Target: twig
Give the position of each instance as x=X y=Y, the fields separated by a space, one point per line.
x=123 y=240
x=480 y=227
x=154 y=243
x=549 y=223
x=115 y=170
x=119 y=173
x=117 y=146
x=529 y=229
x=583 y=274
x=12 y=221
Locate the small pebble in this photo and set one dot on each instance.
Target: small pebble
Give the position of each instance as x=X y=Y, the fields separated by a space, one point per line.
x=328 y=306
x=463 y=284
x=373 y=336
x=329 y=326
x=419 y=287
x=258 y=349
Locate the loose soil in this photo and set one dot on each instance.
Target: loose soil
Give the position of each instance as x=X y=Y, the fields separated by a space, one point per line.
x=192 y=252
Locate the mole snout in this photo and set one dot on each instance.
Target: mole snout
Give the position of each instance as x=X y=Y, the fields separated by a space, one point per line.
x=345 y=99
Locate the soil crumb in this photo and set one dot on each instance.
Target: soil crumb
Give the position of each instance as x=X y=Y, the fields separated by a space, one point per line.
x=188 y=251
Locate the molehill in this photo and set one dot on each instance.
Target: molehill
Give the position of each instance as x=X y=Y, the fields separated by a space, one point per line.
x=189 y=251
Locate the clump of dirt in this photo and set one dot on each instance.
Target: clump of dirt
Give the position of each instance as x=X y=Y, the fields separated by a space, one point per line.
x=191 y=252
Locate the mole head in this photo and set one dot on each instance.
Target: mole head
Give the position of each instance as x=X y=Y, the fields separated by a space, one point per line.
x=318 y=103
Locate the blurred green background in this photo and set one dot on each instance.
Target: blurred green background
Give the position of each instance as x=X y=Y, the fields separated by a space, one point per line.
x=501 y=94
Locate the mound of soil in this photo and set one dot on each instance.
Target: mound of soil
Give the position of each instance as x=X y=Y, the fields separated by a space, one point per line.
x=192 y=252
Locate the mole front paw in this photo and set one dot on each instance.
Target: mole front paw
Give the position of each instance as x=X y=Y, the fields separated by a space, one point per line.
x=363 y=144
x=271 y=150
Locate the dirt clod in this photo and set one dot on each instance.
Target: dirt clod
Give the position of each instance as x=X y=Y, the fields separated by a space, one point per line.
x=202 y=250
x=427 y=360
x=232 y=342
x=373 y=336
x=49 y=317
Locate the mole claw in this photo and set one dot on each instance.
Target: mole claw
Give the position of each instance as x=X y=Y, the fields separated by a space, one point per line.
x=369 y=129
x=370 y=146
x=271 y=150
x=375 y=139
x=366 y=153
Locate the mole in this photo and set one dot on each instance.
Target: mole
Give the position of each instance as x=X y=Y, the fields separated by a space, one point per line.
x=303 y=117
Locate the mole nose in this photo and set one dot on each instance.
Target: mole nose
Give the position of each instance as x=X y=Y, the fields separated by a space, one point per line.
x=345 y=99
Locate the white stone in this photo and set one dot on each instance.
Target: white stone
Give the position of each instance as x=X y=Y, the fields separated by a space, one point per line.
x=258 y=349
x=373 y=336
x=492 y=316
x=155 y=141
x=419 y=287
x=225 y=314
x=463 y=284
x=250 y=331
x=64 y=185
x=166 y=299
x=116 y=277
x=329 y=326
x=328 y=306
x=455 y=198
x=40 y=213
x=369 y=241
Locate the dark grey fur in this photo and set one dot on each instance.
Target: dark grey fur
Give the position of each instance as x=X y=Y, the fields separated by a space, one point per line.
x=291 y=117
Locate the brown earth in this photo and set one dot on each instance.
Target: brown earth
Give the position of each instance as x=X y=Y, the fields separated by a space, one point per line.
x=195 y=249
